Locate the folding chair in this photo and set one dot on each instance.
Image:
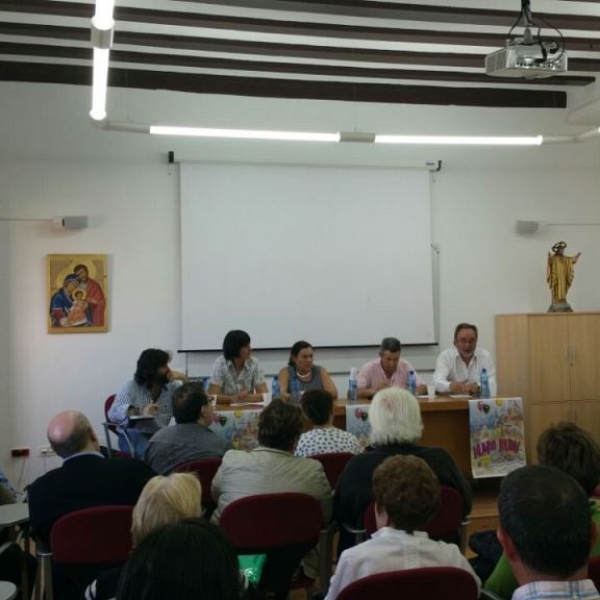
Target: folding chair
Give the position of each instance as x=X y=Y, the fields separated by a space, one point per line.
x=205 y=469
x=117 y=431
x=334 y=464
x=283 y=526
x=84 y=543
x=414 y=584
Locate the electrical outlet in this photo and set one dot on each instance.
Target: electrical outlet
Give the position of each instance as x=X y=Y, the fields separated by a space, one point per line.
x=19 y=452
x=46 y=451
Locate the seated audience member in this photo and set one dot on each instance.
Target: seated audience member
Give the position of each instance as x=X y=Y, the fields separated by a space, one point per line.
x=396 y=427
x=458 y=369
x=323 y=438
x=407 y=496
x=190 y=439
x=149 y=393
x=85 y=478
x=236 y=376
x=189 y=560
x=272 y=467
x=546 y=532
x=572 y=450
x=164 y=500
x=389 y=370
x=308 y=375
x=8 y=494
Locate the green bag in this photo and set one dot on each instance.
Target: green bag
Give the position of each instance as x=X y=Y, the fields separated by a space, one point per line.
x=251 y=565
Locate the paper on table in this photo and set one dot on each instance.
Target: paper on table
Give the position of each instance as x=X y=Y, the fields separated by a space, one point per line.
x=460 y=396
x=259 y=404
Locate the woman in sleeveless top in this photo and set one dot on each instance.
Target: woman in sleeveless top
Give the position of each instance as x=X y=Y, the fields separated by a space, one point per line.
x=301 y=369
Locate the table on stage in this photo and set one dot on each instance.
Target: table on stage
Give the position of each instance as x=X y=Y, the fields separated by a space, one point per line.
x=445 y=425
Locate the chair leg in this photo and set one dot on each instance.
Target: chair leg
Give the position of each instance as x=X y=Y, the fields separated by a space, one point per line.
x=325 y=557
x=109 y=448
x=43 y=589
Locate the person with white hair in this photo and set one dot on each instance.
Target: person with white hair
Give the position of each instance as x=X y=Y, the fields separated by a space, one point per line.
x=396 y=428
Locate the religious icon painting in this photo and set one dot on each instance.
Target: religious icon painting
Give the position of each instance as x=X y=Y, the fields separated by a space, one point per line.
x=77 y=293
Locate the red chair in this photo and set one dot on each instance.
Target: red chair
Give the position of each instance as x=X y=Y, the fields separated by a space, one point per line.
x=205 y=469
x=594 y=570
x=334 y=464
x=109 y=428
x=431 y=582
x=283 y=526
x=84 y=543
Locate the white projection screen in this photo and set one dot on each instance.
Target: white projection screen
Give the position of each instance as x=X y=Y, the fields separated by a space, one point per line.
x=336 y=256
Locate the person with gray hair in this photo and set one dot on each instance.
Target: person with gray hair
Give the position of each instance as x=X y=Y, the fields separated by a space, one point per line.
x=389 y=370
x=396 y=428
x=85 y=478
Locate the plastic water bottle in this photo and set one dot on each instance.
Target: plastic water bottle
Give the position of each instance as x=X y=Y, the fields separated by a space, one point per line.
x=295 y=389
x=412 y=382
x=353 y=386
x=205 y=384
x=275 y=387
x=484 y=383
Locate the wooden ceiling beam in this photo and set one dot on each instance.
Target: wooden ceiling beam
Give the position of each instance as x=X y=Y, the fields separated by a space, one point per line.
x=161 y=60
x=282 y=88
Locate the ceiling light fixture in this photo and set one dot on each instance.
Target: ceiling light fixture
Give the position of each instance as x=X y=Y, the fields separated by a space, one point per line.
x=101 y=38
x=251 y=134
x=459 y=140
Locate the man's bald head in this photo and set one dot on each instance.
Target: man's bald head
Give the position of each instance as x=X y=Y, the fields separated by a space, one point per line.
x=70 y=432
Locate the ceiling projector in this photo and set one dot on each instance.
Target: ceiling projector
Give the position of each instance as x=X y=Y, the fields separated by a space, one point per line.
x=530 y=60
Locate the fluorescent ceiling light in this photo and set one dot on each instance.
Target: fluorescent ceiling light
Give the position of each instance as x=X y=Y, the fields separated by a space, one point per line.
x=459 y=140
x=296 y=136
x=98 y=112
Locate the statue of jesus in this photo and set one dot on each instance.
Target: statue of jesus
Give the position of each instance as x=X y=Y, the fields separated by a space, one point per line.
x=560 y=275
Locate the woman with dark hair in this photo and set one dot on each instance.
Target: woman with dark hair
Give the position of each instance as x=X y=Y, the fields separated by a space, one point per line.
x=236 y=376
x=272 y=467
x=187 y=560
x=149 y=393
x=301 y=368
x=323 y=438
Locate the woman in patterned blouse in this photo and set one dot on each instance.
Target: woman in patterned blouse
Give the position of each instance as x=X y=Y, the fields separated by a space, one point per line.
x=323 y=437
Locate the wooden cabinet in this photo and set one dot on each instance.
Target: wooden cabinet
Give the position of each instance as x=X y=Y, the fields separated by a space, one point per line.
x=553 y=362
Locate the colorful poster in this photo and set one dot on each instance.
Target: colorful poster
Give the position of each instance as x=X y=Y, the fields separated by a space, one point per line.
x=357 y=422
x=497 y=436
x=238 y=427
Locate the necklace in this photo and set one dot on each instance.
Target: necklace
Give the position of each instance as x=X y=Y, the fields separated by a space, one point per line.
x=303 y=376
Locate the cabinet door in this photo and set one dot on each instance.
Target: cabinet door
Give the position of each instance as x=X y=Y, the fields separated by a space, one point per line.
x=549 y=359
x=541 y=417
x=587 y=416
x=584 y=349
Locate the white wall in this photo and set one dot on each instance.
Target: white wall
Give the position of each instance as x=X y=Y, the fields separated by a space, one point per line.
x=54 y=163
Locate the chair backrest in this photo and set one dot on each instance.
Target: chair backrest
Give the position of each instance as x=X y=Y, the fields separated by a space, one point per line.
x=447 y=521
x=445 y=525
x=97 y=535
x=205 y=469
x=283 y=526
x=272 y=520
x=431 y=582
x=594 y=570
x=334 y=464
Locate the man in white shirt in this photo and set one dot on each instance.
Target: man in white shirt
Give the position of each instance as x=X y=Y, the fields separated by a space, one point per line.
x=407 y=496
x=546 y=533
x=458 y=369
